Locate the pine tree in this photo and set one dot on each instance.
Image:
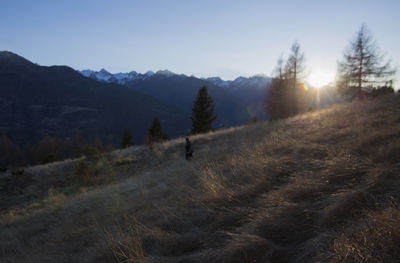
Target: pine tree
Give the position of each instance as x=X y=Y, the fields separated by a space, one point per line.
x=202 y=112
x=155 y=132
x=127 y=139
x=363 y=67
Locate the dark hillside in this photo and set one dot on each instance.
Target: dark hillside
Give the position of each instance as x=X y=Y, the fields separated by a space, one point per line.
x=36 y=100
x=181 y=91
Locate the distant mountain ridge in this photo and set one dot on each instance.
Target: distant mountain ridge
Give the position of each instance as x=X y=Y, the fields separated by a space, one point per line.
x=120 y=78
x=249 y=92
x=259 y=81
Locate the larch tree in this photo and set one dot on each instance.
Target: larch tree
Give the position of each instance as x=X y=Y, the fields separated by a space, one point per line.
x=276 y=104
x=363 y=67
x=283 y=91
x=202 y=112
x=295 y=73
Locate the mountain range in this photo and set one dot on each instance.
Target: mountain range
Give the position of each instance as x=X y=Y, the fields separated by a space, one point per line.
x=37 y=100
x=249 y=92
x=120 y=78
x=260 y=81
x=58 y=100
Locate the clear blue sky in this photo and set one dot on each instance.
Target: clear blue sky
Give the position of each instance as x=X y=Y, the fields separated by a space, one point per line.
x=204 y=38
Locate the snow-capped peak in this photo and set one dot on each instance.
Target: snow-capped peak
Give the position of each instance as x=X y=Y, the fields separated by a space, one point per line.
x=256 y=81
x=218 y=81
x=103 y=71
x=86 y=72
x=259 y=80
x=121 y=78
x=102 y=75
x=165 y=73
x=148 y=74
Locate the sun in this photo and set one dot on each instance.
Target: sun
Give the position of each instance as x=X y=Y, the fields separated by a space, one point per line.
x=320 y=78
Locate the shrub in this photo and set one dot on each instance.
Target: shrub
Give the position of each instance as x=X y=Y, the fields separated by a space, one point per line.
x=17 y=172
x=94 y=171
x=51 y=158
x=86 y=174
x=20 y=178
x=92 y=152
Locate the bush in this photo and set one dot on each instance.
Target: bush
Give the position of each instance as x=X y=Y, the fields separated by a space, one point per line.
x=92 y=152
x=86 y=174
x=20 y=178
x=94 y=171
x=17 y=172
x=51 y=158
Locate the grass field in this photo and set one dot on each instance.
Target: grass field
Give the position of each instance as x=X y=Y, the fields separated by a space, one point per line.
x=320 y=187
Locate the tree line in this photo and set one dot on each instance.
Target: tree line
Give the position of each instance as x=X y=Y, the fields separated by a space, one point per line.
x=49 y=149
x=362 y=72
x=202 y=119
x=54 y=148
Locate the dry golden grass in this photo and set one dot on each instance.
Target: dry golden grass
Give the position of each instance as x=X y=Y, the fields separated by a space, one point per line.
x=319 y=187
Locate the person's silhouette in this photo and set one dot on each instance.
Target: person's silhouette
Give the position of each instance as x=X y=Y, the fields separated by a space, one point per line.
x=189 y=149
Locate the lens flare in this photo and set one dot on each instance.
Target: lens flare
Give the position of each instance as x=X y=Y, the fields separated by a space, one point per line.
x=305 y=87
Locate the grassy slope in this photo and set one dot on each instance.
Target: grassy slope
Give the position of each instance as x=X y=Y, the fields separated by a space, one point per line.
x=322 y=186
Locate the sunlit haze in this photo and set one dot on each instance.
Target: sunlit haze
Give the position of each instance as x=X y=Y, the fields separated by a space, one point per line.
x=204 y=38
x=318 y=78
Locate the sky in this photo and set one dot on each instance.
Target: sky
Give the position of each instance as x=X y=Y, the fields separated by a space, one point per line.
x=202 y=38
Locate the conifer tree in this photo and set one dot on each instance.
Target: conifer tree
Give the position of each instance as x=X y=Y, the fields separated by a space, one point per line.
x=202 y=112
x=127 y=139
x=363 y=67
x=155 y=132
x=295 y=71
x=277 y=104
x=283 y=91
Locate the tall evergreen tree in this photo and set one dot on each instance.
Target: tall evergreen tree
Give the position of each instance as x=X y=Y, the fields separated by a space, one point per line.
x=126 y=139
x=363 y=67
x=202 y=112
x=155 y=132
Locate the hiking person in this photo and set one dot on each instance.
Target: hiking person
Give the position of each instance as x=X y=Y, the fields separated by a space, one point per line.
x=189 y=149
